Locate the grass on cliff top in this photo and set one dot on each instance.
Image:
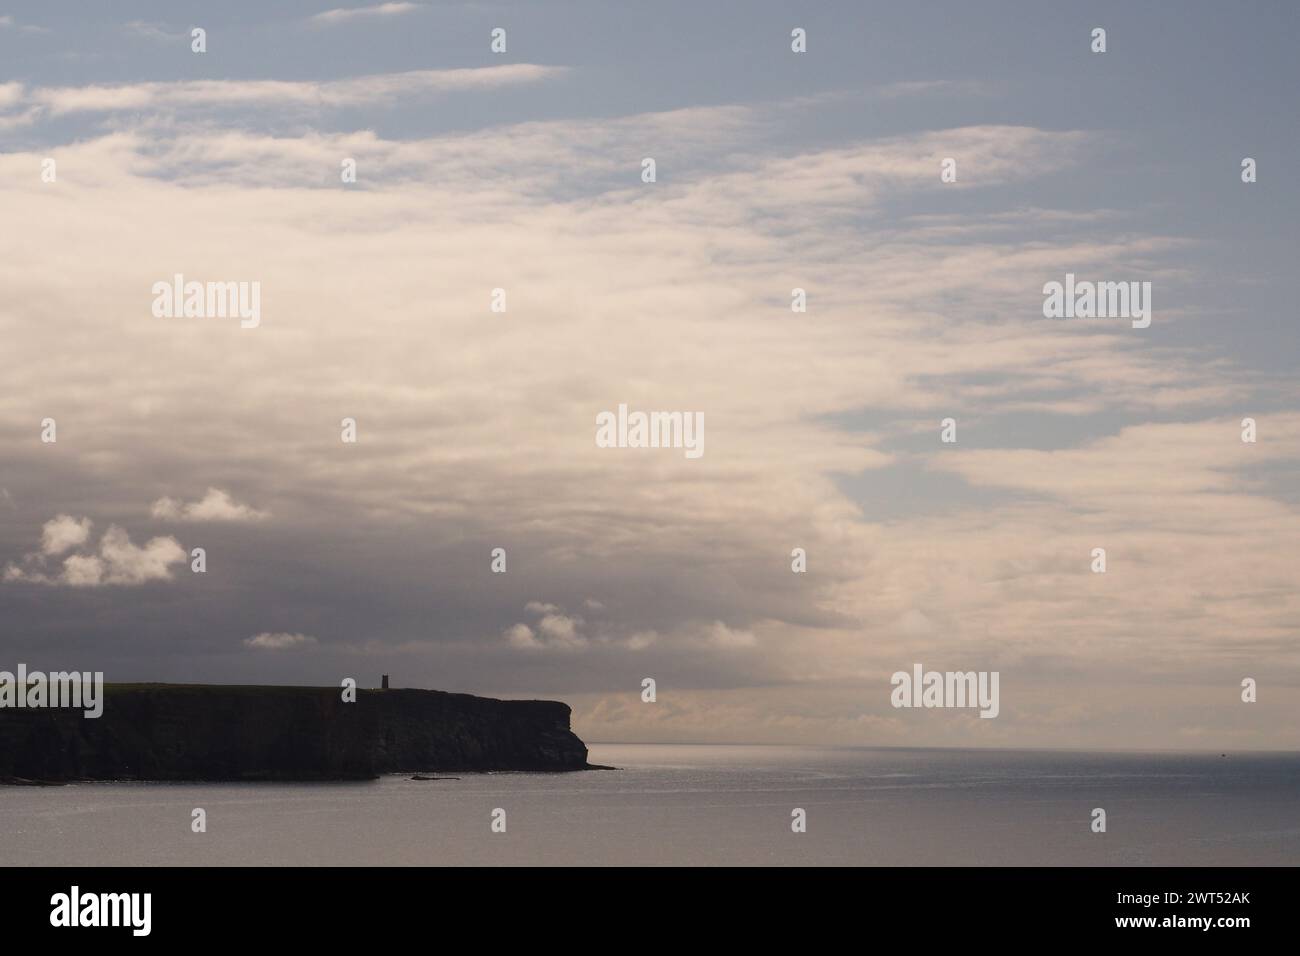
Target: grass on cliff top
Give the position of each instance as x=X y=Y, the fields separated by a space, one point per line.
x=262 y=690
x=224 y=688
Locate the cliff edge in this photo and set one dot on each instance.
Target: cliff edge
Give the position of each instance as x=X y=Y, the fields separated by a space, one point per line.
x=216 y=732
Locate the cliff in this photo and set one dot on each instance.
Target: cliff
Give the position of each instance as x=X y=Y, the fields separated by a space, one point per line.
x=214 y=732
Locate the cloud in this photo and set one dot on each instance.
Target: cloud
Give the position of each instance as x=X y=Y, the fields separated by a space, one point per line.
x=25 y=118
x=216 y=505
x=522 y=637
x=559 y=630
x=823 y=427
x=345 y=14
x=1124 y=470
x=723 y=636
x=122 y=562
x=153 y=31
x=12 y=96
x=267 y=641
x=117 y=562
x=553 y=631
x=8 y=23
x=62 y=533
x=374 y=90
x=641 y=640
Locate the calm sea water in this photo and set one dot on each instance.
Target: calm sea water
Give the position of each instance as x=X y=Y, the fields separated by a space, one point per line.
x=700 y=805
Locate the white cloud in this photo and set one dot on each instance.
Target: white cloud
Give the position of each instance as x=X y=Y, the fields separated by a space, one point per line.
x=554 y=631
x=125 y=563
x=216 y=505
x=522 y=636
x=488 y=437
x=374 y=90
x=10 y=94
x=9 y=23
x=117 y=562
x=560 y=630
x=154 y=31
x=723 y=636
x=25 y=118
x=82 y=571
x=641 y=640
x=62 y=533
x=267 y=641
x=344 y=14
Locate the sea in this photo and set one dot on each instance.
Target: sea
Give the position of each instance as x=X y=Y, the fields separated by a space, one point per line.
x=699 y=805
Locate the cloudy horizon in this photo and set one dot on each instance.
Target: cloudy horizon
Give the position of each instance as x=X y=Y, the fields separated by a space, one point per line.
x=522 y=171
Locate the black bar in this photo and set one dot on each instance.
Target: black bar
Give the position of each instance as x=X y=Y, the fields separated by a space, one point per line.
x=323 y=905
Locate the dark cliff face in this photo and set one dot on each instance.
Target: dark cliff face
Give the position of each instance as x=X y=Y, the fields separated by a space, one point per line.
x=211 y=732
x=431 y=730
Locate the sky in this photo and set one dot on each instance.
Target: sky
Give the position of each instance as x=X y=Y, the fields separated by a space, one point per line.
x=775 y=170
